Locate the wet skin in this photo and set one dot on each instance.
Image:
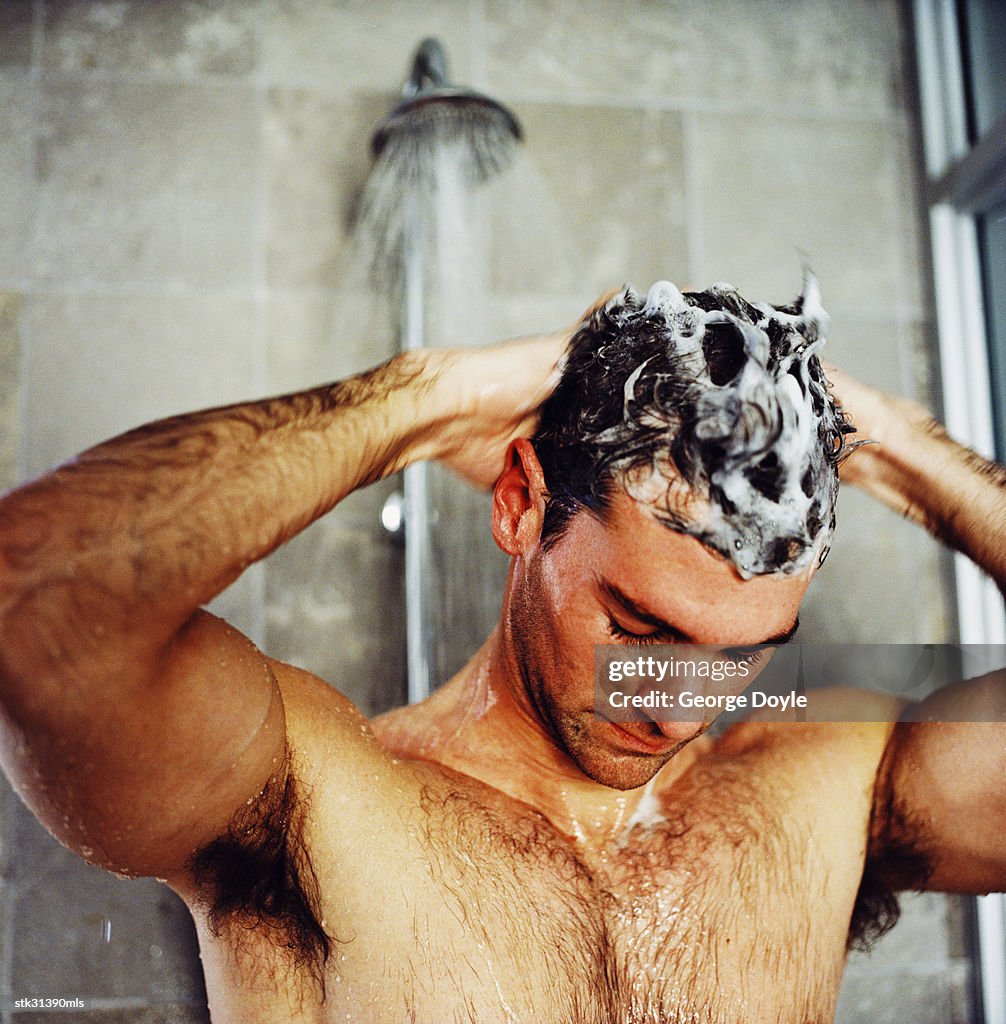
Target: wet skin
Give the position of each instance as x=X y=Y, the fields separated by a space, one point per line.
x=491 y=854
x=614 y=581
x=503 y=862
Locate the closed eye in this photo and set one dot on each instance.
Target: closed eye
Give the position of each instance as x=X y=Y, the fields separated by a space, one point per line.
x=619 y=632
x=746 y=655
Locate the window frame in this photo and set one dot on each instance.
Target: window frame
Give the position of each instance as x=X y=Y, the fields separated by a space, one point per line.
x=965 y=178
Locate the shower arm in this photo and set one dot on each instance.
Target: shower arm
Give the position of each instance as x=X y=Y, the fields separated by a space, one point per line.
x=419 y=637
x=429 y=70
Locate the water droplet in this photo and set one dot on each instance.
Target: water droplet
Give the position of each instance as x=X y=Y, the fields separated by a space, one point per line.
x=156 y=951
x=106 y=930
x=86 y=851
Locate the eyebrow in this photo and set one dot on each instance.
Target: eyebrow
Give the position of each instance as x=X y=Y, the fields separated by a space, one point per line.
x=786 y=635
x=664 y=628
x=638 y=612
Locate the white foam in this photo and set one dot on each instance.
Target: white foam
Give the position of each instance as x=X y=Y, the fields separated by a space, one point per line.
x=664 y=297
x=648 y=813
x=766 y=411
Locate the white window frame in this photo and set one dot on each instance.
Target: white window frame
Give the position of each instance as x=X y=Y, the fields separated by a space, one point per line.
x=963 y=181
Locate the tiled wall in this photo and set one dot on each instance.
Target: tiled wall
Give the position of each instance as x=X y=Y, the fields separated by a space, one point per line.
x=175 y=186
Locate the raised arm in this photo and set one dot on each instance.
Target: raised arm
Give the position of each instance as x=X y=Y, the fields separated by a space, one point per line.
x=940 y=811
x=921 y=472
x=942 y=790
x=133 y=724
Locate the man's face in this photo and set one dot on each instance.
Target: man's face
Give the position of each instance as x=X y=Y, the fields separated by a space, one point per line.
x=628 y=579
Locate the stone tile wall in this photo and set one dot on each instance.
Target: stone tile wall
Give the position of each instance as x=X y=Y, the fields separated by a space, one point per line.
x=176 y=183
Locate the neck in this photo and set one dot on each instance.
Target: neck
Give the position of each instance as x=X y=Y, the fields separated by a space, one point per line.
x=482 y=724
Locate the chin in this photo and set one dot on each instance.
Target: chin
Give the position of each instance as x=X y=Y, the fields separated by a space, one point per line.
x=625 y=777
x=621 y=771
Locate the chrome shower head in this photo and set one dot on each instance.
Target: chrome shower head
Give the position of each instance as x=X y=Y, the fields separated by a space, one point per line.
x=432 y=112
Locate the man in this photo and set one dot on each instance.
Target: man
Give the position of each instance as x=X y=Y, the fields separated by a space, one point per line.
x=498 y=853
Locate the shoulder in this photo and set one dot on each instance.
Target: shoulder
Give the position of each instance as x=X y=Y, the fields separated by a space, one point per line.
x=844 y=722
x=343 y=763
x=835 y=719
x=941 y=799
x=830 y=771
x=267 y=876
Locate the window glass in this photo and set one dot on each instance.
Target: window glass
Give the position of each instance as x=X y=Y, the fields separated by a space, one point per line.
x=984 y=31
x=992 y=237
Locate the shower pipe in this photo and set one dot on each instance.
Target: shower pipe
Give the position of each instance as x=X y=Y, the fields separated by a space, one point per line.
x=431 y=113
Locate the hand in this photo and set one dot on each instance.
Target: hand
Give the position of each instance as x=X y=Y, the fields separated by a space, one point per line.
x=922 y=473
x=502 y=389
x=877 y=417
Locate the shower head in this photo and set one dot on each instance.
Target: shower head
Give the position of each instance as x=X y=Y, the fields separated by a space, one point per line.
x=434 y=113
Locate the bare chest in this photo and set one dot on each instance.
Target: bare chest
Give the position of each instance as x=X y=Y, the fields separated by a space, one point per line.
x=723 y=905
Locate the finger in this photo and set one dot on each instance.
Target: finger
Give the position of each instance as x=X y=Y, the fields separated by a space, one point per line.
x=596 y=305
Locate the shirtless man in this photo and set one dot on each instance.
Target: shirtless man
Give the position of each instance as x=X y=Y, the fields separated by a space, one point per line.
x=490 y=855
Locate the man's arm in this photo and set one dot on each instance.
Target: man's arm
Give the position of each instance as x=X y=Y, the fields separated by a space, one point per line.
x=941 y=793
x=134 y=724
x=917 y=469
x=940 y=807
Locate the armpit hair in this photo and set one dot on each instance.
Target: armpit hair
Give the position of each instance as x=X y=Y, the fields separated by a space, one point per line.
x=898 y=859
x=258 y=875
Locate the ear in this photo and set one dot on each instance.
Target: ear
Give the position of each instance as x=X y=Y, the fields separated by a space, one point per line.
x=519 y=500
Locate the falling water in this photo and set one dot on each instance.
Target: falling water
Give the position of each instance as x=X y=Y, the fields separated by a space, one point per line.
x=452 y=251
x=492 y=266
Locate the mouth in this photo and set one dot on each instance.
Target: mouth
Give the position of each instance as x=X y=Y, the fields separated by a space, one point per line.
x=644 y=738
x=655 y=737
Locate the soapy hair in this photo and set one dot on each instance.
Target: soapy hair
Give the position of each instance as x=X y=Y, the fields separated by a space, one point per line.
x=710 y=410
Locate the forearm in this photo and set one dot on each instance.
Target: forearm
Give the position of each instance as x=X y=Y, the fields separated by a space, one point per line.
x=122 y=709
x=922 y=473
x=116 y=549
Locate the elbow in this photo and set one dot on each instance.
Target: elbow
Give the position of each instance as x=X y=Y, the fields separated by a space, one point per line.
x=13 y=643
x=38 y=661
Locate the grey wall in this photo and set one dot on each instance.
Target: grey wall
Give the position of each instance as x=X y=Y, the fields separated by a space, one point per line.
x=175 y=181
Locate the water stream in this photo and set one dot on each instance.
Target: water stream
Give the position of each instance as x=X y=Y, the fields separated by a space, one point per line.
x=439 y=258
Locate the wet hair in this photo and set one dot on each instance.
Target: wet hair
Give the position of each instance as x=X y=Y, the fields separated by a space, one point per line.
x=710 y=410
